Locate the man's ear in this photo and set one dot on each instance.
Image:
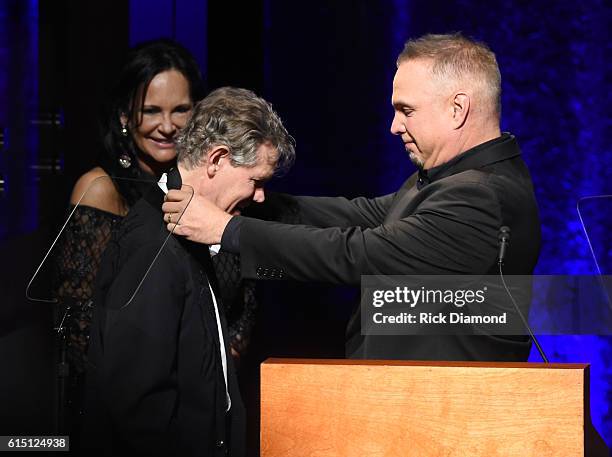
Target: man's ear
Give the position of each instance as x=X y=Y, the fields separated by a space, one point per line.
x=215 y=159
x=461 y=108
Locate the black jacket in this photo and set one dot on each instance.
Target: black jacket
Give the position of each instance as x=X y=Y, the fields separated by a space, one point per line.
x=441 y=222
x=156 y=384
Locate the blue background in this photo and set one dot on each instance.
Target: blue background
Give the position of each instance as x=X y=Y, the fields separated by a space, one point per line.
x=328 y=67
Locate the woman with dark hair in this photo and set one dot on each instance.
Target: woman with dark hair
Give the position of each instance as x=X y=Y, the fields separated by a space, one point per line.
x=150 y=103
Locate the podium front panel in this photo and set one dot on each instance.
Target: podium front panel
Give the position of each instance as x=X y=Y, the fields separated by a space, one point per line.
x=321 y=408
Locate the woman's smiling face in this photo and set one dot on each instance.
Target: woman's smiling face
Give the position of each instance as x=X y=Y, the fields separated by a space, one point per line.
x=166 y=109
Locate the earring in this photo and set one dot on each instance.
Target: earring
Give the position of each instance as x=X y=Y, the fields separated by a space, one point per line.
x=124 y=130
x=125 y=161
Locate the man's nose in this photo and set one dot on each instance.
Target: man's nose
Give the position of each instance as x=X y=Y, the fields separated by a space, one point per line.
x=259 y=195
x=397 y=127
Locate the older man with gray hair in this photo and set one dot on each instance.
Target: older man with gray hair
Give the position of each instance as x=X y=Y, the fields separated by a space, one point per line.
x=444 y=220
x=162 y=380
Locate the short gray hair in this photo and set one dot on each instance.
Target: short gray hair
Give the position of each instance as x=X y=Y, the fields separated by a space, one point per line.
x=239 y=120
x=455 y=57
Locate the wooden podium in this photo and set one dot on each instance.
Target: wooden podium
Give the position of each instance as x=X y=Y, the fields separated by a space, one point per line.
x=363 y=408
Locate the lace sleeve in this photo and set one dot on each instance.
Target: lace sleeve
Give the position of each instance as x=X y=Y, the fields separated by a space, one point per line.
x=238 y=298
x=77 y=260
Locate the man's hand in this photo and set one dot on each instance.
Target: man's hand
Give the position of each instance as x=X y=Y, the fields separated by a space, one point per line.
x=202 y=221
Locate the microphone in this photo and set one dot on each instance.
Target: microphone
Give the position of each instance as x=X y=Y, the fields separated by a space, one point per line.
x=504 y=241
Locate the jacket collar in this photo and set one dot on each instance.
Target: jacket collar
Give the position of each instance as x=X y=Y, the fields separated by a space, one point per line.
x=154 y=195
x=492 y=151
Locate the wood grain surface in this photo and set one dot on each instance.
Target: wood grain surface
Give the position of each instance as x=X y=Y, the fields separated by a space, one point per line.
x=386 y=408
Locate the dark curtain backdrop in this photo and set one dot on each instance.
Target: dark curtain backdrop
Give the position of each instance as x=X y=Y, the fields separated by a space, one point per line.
x=327 y=67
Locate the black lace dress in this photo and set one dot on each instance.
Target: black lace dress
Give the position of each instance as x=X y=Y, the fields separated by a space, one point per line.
x=77 y=260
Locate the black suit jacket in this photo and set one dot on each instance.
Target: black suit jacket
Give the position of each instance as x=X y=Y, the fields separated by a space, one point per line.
x=444 y=221
x=156 y=383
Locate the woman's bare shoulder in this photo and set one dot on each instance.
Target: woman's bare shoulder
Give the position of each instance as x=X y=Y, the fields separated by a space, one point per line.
x=96 y=189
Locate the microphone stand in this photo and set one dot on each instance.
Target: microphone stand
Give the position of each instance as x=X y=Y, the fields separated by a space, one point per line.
x=62 y=371
x=504 y=239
